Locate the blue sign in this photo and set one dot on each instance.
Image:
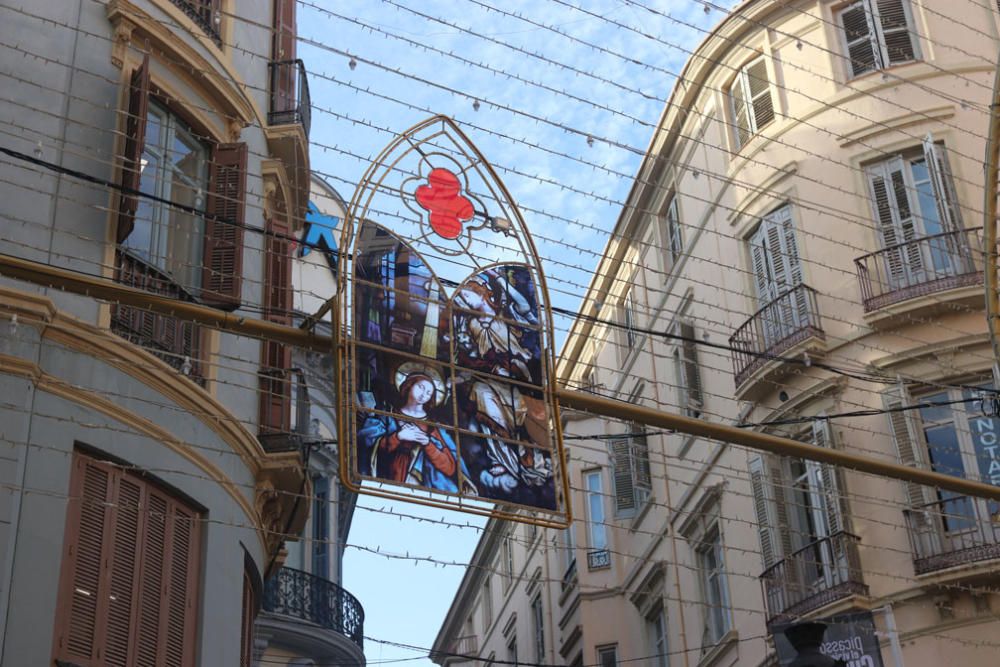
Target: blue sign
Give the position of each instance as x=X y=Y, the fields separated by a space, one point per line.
x=319 y=232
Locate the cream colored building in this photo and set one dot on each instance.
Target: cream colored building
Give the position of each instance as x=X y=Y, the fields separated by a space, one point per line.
x=813 y=192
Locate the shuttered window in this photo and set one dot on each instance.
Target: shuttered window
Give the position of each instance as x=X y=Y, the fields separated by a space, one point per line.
x=913 y=196
x=632 y=480
x=877 y=34
x=908 y=438
x=672 y=232
x=628 y=321
x=688 y=372
x=750 y=100
x=135 y=141
x=275 y=377
x=248 y=616
x=128 y=586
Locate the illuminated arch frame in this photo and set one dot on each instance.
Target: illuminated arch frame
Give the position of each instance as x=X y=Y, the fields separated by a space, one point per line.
x=344 y=351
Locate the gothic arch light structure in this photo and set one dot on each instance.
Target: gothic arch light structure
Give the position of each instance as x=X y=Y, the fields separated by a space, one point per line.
x=444 y=349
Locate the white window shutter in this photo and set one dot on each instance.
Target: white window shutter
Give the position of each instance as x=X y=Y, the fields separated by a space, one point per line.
x=763 y=509
x=739 y=102
x=894 y=27
x=860 y=38
x=759 y=88
x=936 y=158
x=621 y=456
x=828 y=480
x=694 y=398
x=909 y=441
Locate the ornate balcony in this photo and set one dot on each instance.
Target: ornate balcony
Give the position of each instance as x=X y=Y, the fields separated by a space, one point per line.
x=920 y=267
x=205 y=14
x=300 y=595
x=822 y=572
x=951 y=532
x=290 y=101
x=791 y=318
x=172 y=340
x=463 y=646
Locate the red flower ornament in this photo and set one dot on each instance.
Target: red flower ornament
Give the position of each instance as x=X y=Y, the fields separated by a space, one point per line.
x=448 y=208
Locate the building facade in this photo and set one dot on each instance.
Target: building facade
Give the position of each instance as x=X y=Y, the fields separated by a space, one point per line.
x=802 y=240
x=147 y=480
x=308 y=618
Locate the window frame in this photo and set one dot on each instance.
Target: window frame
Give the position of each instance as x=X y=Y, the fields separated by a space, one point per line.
x=715 y=593
x=659 y=640
x=604 y=650
x=538 y=621
x=876 y=37
x=673 y=234
x=507 y=555
x=629 y=324
x=635 y=447
x=741 y=82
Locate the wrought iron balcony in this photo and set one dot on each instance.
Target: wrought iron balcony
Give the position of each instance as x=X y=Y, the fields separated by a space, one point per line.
x=172 y=340
x=951 y=532
x=290 y=101
x=314 y=599
x=786 y=321
x=205 y=13
x=598 y=560
x=920 y=267
x=819 y=573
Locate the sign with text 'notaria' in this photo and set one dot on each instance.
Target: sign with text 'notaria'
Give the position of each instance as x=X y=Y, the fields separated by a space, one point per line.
x=445 y=352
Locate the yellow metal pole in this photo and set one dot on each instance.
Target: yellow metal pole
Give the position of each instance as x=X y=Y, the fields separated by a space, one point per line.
x=43 y=274
x=990 y=225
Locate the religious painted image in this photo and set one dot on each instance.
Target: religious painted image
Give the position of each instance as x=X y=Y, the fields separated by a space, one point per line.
x=399 y=301
x=411 y=444
x=448 y=342
x=497 y=341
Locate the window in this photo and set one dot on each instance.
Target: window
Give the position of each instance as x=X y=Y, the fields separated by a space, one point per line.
x=538 y=620
x=128 y=585
x=512 y=650
x=672 y=235
x=487 y=605
x=508 y=560
x=750 y=101
x=201 y=255
x=321 y=527
x=687 y=371
x=190 y=253
x=798 y=503
x=597 y=556
x=630 y=460
x=248 y=616
x=783 y=309
x=275 y=375
x=174 y=167
x=607 y=656
x=628 y=321
x=711 y=565
x=918 y=215
x=955 y=440
x=656 y=629
x=569 y=551
x=877 y=34
x=206 y=14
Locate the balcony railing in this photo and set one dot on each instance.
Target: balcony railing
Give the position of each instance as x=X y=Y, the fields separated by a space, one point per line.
x=204 y=13
x=822 y=572
x=598 y=560
x=951 y=532
x=290 y=101
x=923 y=266
x=783 y=323
x=314 y=599
x=172 y=340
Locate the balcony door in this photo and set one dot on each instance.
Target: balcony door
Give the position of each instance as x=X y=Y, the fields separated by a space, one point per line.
x=777 y=271
x=919 y=220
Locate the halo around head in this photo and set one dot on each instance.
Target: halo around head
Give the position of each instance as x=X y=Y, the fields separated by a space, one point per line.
x=409 y=368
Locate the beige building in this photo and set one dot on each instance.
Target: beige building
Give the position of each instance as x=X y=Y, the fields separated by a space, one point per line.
x=802 y=240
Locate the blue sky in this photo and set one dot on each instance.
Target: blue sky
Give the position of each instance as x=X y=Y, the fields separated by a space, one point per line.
x=406 y=69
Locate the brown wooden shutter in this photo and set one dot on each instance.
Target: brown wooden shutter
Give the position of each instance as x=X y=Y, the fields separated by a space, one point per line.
x=247 y=621
x=135 y=142
x=126 y=523
x=275 y=379
x=181 y=595
x=77 y=630
x=285 y=30
x=223 y=259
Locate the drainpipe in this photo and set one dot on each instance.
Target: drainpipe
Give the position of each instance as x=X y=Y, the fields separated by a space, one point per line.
x=892 y=634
